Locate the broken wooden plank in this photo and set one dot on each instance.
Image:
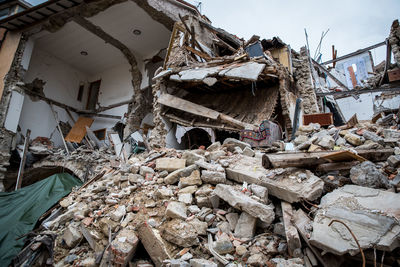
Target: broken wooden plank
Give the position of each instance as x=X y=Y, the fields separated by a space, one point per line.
x=193 y=108
x=344 y=155
x=310 y=159
x=86 y=142
x=336 y=166
x=187 y=106
x=342 y=94
x=198 y=53
x=78 y=131
x=360 y=51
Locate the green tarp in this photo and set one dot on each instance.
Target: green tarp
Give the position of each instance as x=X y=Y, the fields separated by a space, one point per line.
x=20 y=210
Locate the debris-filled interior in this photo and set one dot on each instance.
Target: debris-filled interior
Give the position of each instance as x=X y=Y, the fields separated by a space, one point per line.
x=135 y=133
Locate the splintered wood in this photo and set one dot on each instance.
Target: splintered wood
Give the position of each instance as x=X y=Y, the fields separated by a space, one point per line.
x=78 y=131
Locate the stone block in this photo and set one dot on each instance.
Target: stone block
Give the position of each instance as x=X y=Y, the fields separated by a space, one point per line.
x=235 y=142
x=174 y=176
x=72 y=236
x=179 y=233
x=176 y=210
x=191 y=157
x=246 y=226
x=192 y=179
x=353 y=139
x=245 y=203
x=123 y=247
x=158 y=249
x=170 y=164
x=213 y=177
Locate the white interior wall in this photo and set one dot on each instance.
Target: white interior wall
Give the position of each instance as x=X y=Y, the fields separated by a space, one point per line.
x=364 y=106
x=62 y=84
x=115 y=87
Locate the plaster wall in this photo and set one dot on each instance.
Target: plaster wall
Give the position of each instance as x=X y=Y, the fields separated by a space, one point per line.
x=62 y=84
x=364 y=106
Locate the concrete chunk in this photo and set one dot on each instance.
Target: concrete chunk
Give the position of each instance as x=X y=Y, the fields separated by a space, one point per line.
x=192 y=179
x=371 y=214
x=72 y=236
x=170 y=164
x=235 y=142
x=245 y=203
x=373 y=136
x=191 y=157
x=292 y=236
x=290 y=185
x=353 y=139
x=176 y=210
x=192 y=75
x=367 y=174
x=246 y=226
x=180 y=233
x=174 y=176
x=158 y=249
x=212 y=177
x=123 y=247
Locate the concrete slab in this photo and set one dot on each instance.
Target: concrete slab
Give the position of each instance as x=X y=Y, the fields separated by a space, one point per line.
x=248 y=71
x=373 y=216
x=289 y=184
x=194 y=75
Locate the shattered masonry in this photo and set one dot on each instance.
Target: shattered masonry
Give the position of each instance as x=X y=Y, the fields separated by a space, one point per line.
x=212 y=163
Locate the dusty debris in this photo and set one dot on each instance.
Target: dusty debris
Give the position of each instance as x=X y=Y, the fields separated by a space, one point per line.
x=249 y=185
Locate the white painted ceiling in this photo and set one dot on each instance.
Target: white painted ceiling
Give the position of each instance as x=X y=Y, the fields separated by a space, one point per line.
x=127 y=17
x=119 y=21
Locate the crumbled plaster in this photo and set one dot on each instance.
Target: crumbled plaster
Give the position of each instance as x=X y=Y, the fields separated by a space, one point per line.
x=14 y=76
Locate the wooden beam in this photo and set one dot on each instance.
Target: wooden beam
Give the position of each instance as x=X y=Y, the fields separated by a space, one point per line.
x=48 y=100
x=80 y=112
x=187 y=106
x=354 y=53
x=195 y=109
x=387 y=61
x=23 y=160
x=229 y=37
x=359 y=92
x=200 y=54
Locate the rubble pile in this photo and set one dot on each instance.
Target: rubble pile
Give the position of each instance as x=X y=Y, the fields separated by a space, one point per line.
x=219 y=205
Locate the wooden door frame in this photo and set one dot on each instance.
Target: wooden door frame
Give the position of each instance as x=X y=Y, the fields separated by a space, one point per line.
x=90 y=92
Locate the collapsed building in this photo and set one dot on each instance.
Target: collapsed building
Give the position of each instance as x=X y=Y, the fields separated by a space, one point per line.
x=234 y=149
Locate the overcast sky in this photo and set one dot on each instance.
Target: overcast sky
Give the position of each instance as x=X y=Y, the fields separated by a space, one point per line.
x=352 y=24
